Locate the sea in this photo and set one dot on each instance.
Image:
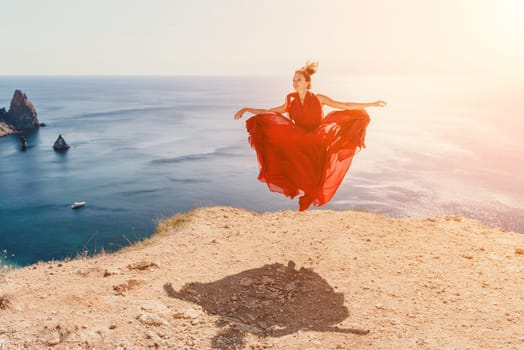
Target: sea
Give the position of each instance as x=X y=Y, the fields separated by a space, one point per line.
x=146 y=148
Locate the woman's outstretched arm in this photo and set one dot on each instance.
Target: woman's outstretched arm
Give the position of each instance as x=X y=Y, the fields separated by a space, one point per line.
x=348 y=105
x=278 y=109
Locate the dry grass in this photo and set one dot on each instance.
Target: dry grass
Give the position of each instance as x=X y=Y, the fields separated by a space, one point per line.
x=4 y=268
x=173 y=223
x=164 y=227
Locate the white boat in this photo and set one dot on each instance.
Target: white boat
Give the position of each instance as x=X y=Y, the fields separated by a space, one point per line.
x=77 y=205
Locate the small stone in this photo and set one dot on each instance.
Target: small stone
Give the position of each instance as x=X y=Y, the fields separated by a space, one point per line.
x=54 y=340
x=267 y=281
x=246 y=282
x=421 y=341
x=163 y=335
x=124 y=287
x=150 y=335
x=110 y=272
x=519 y=251
x=151 y=320
x=156 y=308
x=5 y=303
x=191 y=313
x=112 y=326
x=394 y=322
x=142 y=265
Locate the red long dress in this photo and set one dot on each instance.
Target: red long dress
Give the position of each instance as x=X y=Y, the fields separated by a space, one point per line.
x=306 y=154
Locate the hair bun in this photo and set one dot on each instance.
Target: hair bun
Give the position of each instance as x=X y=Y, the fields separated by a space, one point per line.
x=311 y=67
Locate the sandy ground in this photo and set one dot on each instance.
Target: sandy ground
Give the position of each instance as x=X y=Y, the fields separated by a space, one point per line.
x=225 y=278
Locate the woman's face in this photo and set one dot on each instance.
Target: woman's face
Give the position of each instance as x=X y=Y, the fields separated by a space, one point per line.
x=299 y=82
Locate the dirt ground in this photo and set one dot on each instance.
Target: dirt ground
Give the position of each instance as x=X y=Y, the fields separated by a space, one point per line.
x=226 y=278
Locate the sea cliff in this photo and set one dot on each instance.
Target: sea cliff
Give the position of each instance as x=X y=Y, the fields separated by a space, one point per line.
x=226 y=278
x=21 y=115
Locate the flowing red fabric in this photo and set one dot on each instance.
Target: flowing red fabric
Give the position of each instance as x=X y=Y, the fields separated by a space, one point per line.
x=306 y=154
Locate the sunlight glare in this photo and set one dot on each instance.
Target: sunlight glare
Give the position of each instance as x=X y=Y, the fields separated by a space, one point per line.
x=508 y=18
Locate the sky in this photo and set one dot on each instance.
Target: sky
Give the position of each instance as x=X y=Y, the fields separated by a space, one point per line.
x=254 y=37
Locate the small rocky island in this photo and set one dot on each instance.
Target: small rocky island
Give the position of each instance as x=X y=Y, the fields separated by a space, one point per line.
x=20 y=116
x=60 y=144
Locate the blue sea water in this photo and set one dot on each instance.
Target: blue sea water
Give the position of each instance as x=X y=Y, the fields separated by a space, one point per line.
x=145 y=148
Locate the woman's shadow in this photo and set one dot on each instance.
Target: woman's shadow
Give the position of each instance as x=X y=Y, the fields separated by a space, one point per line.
x=272 y=300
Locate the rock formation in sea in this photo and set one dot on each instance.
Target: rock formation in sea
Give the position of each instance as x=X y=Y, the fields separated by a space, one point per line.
x=6 y=129
x=60 y=144
x=22 y=114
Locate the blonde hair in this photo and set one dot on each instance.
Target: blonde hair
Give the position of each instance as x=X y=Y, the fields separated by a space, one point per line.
x=308 y=70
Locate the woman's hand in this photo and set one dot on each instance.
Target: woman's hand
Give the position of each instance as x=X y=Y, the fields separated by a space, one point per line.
x=379 y=103
x=239 y=114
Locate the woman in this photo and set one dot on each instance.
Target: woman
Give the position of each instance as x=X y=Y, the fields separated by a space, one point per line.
x=307 y=153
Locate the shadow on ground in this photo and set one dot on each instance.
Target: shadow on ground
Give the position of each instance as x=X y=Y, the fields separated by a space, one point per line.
x=273 y=300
